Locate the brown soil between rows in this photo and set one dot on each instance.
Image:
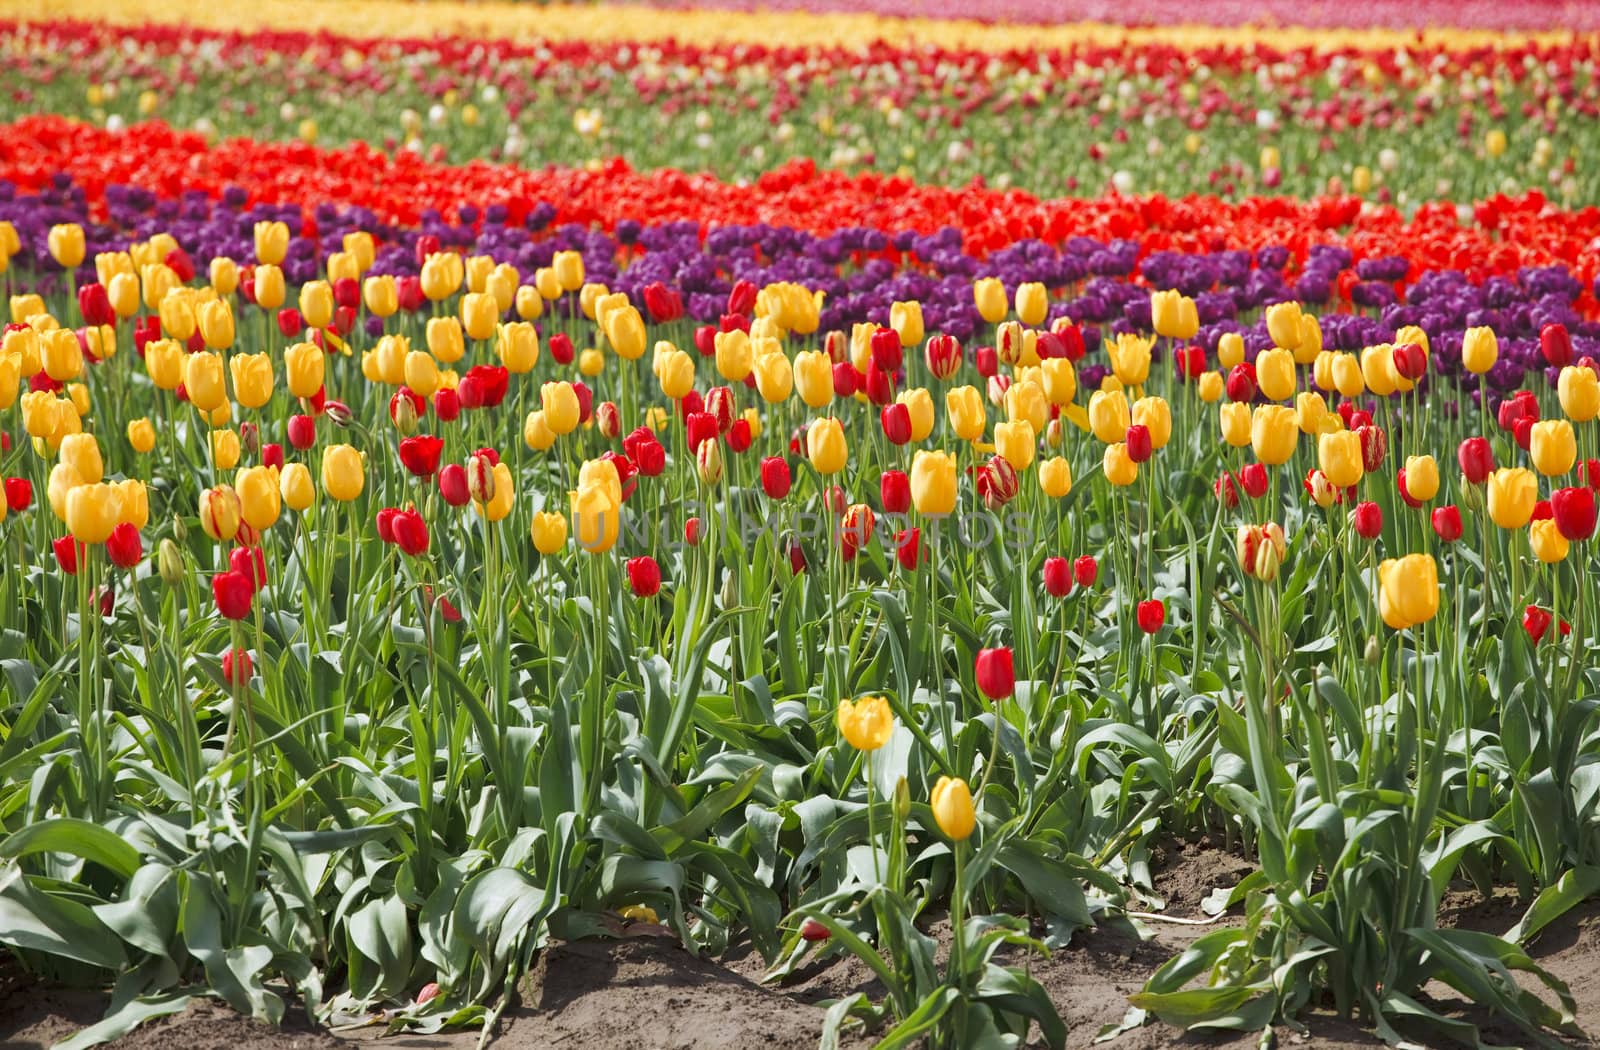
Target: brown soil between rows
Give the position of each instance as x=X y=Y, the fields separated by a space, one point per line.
x=648 y=992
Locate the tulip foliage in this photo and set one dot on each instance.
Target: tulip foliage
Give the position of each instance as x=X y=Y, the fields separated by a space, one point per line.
x=397 y=582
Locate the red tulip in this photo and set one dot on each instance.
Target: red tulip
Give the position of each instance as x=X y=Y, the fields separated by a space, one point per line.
x=232 y=593
x=66 y=552
x=1574 y=511
x=347 y=292
x=987 y=361
x=1589 y=472
x=1405 y=494
x=797 y=557
x=664 y=304
x=236 y=667
x=1543 y=511
x=742 y=297
x=272 y=455
x=1410 y=361
x=1536 y=622
x=896 y=422
x=1476 y=459
x=562 y=351
x=1057 y=577
x=1242 y=382
x=812 y=930
x=95 y=305
x=1190 y=362
x=410 y=533
x=880 y=383
x=732 y=321
x=19 y=494
x=846 y=380
x=691 y=532
x=1556 y=345
x=302 y=432
x=908 y=548
x=887 y=352
x=1151 y=615
x=420 y=454
x=453 y=485
x=700 y=428
x=739 y=438
x=775 y=477
x=644 y=576
x=1367 y=518
x=1447 y=523
x=705 y=340
x=943 y=356
x=385 y=523
x=1254 y=479
x=290 y=322
x=1071 y=337
x=650 y=457
x=894 y=488
x=1085 y=570
x=427 y=245
x=1226 y=491
x=1138 y=443
x=124 y=546
x=997 y=678
x=178 y=262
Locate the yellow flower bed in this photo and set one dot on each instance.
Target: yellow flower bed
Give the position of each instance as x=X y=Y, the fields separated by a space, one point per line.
x=502 y=20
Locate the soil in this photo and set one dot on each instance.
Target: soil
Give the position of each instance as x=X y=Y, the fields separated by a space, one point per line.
x=643 y=991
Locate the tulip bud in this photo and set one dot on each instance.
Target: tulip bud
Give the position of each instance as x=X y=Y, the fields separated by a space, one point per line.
x=729 y=595
x=1373 y=652
x=169 y=562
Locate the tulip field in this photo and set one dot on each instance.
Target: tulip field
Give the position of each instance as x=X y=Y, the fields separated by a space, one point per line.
x=689 y=525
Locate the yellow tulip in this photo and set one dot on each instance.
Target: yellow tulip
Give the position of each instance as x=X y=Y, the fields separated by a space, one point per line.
x=734 y=356
x=813 y=377
x=123 y=292
x=530 y=306
x=344 y=474
x=422 y=373
x=825 y=446
x=1479 y=350
x=303 y=365
x=1016 y=442
x=1378 y=371
x=66 y=245
x=1230 y=350
x=1579 y=390
x=141 y=435
x=549 y=532
x=381 y=295
x=1549 y=546
x=92 y=512
x=906 y=320
x=1055 y=477
x=865 y=724
x=260 y=501
x=568 y=270
x=1310 y=412
x=1339 y=457
x=479 y=315
x=1553 y=447
x=1155 y=415
x=1348 y=377
x=1109 y=415
x=1211 y=387
x=1310 y=340
x=272 y=242
x=1025 y=402
x=1273 y=434
x=61 y=354
x=1284 y=324
x=1130 y=359
x=1032 y=303
x=1275 y=374
x=989 y=295
x=951 y=802
x=269 y=289
x=1512 y=493
x=215 y=320
x=203 y=381
x=518 y=347
x=294 y=485
x=675 y=371
x=1408 y=590
x=964 y=407
x=133 y=502
x=442 y=274
x=1236 y=424
x=1422 y=478
x=224 y=275
x=1118 y=467
x=919 y=406
x=1174 y=314
x=625 y=331
x=560 y=405
x=220 y=513
x=933 y=482
x=225 y=449
x=505 y=494
x=252 y=379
